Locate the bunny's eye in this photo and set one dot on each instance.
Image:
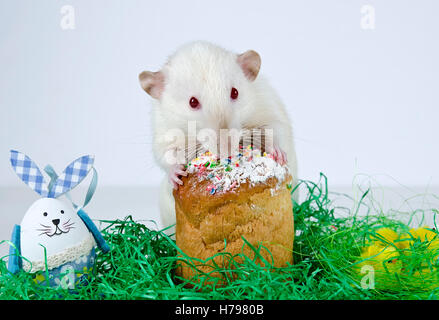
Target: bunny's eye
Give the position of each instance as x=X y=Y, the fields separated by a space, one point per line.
x=45 y=214
x=62 y=211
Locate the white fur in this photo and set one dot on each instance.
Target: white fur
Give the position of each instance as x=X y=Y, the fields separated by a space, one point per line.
x=208 y=72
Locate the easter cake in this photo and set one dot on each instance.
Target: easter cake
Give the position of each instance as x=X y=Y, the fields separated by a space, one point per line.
x=222 y=201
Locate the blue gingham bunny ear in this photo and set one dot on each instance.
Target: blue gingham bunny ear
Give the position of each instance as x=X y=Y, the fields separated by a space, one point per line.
x=29 y=172
x=71 y=176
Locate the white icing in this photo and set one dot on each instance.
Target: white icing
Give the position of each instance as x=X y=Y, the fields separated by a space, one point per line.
x=246 y=166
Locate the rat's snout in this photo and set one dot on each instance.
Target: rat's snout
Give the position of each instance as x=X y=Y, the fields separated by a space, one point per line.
x=55 y=222
x=228 y=141
x=223 y=124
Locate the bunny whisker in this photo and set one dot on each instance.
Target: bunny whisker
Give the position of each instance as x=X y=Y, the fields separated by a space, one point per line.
x=70 y=224
x=66 y=222
x=44 y=225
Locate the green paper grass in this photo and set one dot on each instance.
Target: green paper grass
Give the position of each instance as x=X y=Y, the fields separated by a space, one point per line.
x=327 y=256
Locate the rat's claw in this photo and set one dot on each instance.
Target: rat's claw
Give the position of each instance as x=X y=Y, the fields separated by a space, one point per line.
x=283 y=158
x=174 y=175
x=174 y=185
x=181 y=173
x=279 y=156
x=176 y=182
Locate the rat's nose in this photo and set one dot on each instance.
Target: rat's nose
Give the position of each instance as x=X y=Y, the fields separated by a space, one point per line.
x=55 y=222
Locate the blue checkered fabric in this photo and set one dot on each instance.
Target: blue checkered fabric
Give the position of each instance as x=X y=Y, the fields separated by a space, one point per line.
x=71 y=176
x=28 y=172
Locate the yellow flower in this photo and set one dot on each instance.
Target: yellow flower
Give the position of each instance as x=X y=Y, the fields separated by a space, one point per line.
x=384 y=259
x=396 y=259
x=385 y=264
x=39 y=278
x=85 y=271
x=404 y=241
x=423 y=234
x=385 y=236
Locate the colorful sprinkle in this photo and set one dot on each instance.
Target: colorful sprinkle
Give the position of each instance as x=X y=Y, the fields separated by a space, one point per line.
x=247 y=165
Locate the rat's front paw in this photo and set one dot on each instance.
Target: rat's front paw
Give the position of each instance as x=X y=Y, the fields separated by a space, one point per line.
x=175 y=173
x=279 y=155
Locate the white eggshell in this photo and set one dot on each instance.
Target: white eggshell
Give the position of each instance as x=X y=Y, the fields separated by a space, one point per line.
x=53 y=224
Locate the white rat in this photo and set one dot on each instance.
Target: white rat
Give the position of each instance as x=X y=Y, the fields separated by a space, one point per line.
x=205 y=84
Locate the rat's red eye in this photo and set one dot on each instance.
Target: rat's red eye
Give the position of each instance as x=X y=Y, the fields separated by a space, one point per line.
x=193 y=102
x=234 y=94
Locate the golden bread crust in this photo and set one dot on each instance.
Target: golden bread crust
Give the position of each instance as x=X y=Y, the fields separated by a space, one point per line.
x=261 y=213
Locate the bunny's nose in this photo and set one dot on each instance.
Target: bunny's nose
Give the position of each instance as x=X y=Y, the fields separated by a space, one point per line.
x=55 y=222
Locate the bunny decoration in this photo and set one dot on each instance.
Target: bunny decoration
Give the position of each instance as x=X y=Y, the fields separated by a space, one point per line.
x=55 y=238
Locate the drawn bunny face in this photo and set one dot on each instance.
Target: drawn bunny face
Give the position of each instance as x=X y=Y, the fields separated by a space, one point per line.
x=52 y=224
x=51 y=218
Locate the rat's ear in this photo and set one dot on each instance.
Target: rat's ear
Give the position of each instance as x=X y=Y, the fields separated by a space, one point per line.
x=250 y=63
x=153 y=83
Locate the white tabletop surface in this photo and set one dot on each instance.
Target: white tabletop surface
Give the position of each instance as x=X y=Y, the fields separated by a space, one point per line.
x=142 y=203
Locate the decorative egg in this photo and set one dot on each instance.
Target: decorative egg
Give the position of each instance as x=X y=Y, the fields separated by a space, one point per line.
x=55 y=242
x=53 y=234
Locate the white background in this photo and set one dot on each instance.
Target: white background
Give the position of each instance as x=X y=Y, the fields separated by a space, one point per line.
x=361 y=101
